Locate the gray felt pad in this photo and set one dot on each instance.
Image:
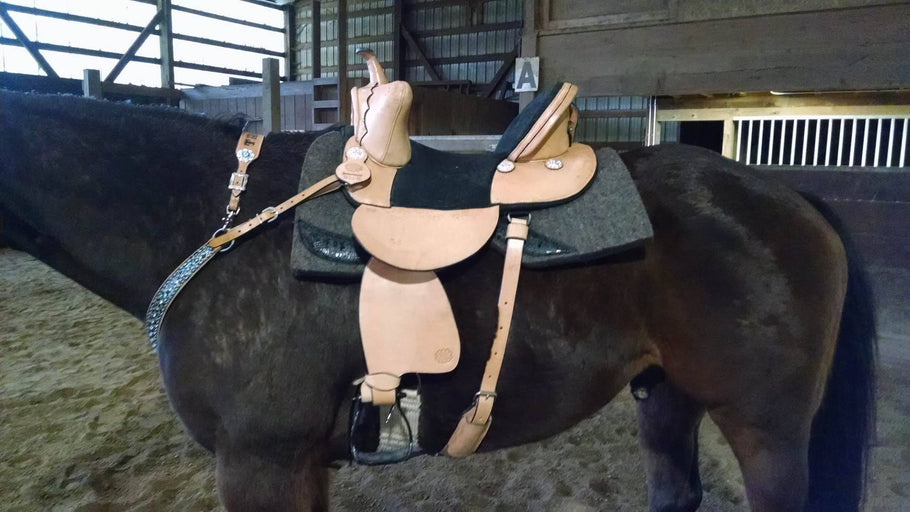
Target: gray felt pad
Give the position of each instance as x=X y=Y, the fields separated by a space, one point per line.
x=607 y=218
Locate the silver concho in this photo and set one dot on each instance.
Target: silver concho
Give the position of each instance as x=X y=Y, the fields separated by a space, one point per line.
x=356 y=153
x=505 y=166
x=554 y=164
x=245 y=155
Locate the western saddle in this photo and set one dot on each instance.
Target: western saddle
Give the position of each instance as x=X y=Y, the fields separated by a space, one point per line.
x=421 y=210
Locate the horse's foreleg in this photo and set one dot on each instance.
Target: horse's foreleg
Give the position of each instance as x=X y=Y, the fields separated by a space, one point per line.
x=253 y=480
x=668 y=437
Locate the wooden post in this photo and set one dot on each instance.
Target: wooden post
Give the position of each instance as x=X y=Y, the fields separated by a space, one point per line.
x=344 y=98
x=290 y=41
x=166 y=43
x=91 y=84
x=397 y=48
x=728 y=147
x=316 y=34
x=271 y=96
x=529 y=47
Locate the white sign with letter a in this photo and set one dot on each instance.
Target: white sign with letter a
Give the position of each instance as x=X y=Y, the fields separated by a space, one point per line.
x=527 y=74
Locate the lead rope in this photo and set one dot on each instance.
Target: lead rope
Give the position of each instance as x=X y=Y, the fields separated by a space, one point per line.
x=475 y=422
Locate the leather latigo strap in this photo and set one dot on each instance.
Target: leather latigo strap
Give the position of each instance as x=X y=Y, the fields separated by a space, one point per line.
x=322 y=187
x=248 y=148
x=474 y=423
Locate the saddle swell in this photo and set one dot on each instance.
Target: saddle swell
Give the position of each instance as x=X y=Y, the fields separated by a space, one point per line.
x=420 y=210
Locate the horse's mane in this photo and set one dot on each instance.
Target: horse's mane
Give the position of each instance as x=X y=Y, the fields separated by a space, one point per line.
x=81 y=106
x=173 y=144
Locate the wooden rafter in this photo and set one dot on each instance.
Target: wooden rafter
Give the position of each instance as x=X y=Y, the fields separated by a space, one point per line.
x=30 y=47
x=131 y=51
x=44 y=13
x=507 y=64
x=420 y=53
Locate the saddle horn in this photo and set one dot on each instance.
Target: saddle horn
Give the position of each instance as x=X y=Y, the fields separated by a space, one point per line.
x=377 y=74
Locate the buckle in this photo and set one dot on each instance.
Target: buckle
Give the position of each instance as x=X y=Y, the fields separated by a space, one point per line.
x=485 y=394
x=238 y=181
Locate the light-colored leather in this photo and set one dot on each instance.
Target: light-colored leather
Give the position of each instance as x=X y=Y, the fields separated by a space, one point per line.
x=376 y=191
x=377 y=74
x=422 y=239
x=406 y=326
x=528 y=148
x=533 y=182
x=474 y=423
x=322 y=187
x=379 y=388
x=248 y=148
x=379 y=113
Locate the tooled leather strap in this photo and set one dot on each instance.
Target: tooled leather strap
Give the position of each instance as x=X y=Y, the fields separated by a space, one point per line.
x=322 y=187
x=474 y=423
x=248 y=148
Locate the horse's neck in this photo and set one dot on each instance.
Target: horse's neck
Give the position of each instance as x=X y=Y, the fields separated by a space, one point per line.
x=112 y=196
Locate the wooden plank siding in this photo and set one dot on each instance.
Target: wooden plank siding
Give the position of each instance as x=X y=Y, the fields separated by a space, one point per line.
x=296 y=104
x=861 y=48
x=873 y=204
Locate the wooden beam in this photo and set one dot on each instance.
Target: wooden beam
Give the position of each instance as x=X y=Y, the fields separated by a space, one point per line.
x=316 y=37
x=218 y=17
x=501 y=73
x=27 y=43
x=728 y=146
x=131 y=51
x=166 y=43
x=344 y=99
x=722 y=114
x=91 y=84
x=528 y=46
x=397 y=49
x=136 y=28
x=271 y=96
x=290 y=39
x=138 y=58
x=420 y=54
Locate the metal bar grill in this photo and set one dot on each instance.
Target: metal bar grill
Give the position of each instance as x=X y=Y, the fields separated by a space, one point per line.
x=840 y=142
x=783 y=138
x=903 y=158
x=823 y=140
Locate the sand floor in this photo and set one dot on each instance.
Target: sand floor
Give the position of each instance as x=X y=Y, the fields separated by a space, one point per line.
x=85 y=425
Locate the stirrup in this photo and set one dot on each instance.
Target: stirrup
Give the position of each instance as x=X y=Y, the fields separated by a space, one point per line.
x=361 y=415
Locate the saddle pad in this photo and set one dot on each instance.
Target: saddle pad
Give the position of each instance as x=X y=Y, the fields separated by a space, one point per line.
x=607 y=218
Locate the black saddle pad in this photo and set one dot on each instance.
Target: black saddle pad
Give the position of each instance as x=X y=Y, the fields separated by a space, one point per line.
x=607 y=218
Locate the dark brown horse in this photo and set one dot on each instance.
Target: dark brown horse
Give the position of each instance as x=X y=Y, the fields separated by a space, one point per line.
x=739 y=299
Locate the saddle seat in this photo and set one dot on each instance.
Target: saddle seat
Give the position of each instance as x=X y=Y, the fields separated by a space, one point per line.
x=420 y=209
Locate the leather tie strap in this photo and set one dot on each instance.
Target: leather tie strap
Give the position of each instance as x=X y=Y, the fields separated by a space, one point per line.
x=476 y=421
x=322 y=187
x=248 y=148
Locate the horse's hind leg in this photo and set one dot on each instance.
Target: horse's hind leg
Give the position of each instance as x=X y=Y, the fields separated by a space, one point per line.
x=668 y=437
x=773 y=458
x=255 y=481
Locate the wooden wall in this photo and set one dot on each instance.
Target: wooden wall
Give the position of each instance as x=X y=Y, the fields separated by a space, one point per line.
x=297 y=102
x=313 y=105
x=670 y=47
x=437 y=112
x=873 y=204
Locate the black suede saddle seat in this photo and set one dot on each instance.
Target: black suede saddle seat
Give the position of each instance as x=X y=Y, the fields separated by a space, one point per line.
x=443 y=180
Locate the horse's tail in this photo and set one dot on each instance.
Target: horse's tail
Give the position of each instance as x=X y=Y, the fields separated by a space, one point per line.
x=846 y=419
